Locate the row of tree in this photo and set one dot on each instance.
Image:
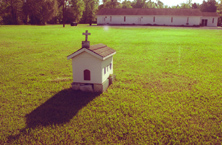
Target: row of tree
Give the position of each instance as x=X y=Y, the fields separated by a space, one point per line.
x=65 y=11
x=44 y=11
x=206 y=6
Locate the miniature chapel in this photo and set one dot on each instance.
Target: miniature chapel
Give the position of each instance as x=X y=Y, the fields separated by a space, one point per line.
x=92 y=66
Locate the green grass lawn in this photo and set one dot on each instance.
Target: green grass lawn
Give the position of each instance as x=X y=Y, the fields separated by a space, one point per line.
x=168 y=87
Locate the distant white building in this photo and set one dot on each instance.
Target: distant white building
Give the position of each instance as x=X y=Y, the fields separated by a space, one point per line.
x=170 y=17
x=92 y=66
x=209 y=19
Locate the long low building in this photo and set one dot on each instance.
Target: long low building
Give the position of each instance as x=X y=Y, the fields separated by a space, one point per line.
x=168 y=17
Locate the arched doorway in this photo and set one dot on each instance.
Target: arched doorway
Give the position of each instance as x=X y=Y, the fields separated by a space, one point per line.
x=87 y=75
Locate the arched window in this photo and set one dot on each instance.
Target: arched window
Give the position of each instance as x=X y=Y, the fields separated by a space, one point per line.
x=87 y=75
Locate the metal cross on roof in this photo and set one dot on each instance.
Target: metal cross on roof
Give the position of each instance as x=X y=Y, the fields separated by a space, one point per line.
x=86 y=34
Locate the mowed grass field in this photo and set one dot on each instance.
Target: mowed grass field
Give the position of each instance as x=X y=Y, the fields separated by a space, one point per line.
x=168 y=87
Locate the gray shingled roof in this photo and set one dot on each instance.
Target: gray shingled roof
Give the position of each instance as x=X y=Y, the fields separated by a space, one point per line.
x=102 y=50
x=136 y=11
x=99 y=49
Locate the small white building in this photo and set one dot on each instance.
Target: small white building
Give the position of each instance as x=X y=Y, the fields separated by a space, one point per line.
x=169 y=17
x=92 y=67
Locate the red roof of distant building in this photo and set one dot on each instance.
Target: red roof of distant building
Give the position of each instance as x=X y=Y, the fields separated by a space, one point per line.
x=152 y=11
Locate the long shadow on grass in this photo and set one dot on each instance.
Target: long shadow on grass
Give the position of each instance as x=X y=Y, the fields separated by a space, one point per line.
x=59 y=109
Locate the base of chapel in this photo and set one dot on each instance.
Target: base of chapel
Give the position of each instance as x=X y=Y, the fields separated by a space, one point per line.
x=90 y=87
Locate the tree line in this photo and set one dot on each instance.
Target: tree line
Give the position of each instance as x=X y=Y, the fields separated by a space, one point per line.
x=40 y=12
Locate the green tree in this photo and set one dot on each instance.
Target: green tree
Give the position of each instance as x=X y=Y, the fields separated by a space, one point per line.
x=77 y=8
x=187 y=5
x=41 y=11
x=159 y=4
x=110 y=4
x=166 y=6
x=139 y=4
x=69 y=11
x=209 y=6
x=126 y=4
x=147 y=4
x=184 y=6
x=11 y=11
x=176 y=7
x=195 y=6
x=89 y=12
x=1 y=12
x=219 y=11
x=150 y=4
x=189 y=2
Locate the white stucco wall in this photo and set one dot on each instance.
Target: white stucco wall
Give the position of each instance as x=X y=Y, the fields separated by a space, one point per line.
x=194 y=20
x=159 y=20
x=105 y=64
x=177 y=20
x=86 y=61
x=210 y=21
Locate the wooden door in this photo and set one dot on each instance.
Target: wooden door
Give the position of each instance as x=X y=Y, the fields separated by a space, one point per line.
x=87 y=75
x=204 y=22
